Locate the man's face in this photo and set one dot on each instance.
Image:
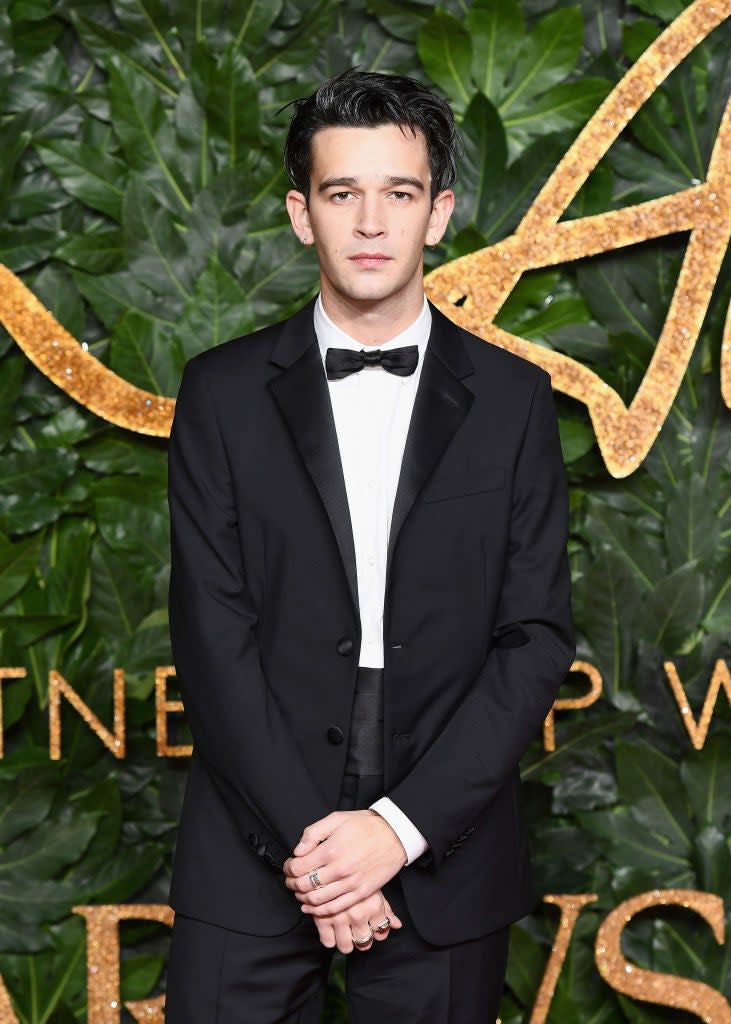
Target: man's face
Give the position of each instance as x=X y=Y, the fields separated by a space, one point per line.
x=370 y=211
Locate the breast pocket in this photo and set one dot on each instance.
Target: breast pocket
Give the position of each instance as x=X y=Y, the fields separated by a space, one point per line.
x=460 y=485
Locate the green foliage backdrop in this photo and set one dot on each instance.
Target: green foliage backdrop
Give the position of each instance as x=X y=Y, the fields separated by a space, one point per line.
x=141 y=196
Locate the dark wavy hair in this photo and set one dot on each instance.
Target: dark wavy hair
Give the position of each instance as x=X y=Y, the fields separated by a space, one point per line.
x=368 y=99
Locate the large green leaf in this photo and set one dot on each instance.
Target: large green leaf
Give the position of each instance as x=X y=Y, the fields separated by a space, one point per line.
x=95 y=178
x=217 y=310
x=484 y=161
x=691 y=524
x=568 y=105
x=23 y=247
x=28 y=482
x=674 y=609
x=17 y=562
x=496 y=30
x=97 y=252
x=24 y=802
x=145 y=132
x=141 y=199
x=152 y=25
x=445 y=49
x=704 y=774
x=626 y=843
x=545 y=57
x=649 y=783
x=52 y=846
x=226 y=89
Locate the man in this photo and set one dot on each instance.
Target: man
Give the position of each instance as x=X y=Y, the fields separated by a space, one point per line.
x=369 y=609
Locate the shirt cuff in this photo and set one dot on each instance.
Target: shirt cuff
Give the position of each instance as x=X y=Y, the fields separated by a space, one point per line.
x=413 y=841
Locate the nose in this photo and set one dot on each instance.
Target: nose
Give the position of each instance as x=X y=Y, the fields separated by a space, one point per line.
x=369 y=222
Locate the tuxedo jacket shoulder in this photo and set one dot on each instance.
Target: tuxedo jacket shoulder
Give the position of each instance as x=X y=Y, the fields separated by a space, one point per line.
x=265 y=629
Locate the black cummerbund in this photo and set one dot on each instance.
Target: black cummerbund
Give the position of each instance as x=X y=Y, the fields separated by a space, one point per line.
x=365 y=748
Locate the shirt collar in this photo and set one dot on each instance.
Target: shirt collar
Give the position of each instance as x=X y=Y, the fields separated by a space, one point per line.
x=329 y=335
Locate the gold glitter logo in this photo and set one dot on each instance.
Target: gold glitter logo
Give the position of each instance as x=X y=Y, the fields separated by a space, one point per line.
x=482 y=280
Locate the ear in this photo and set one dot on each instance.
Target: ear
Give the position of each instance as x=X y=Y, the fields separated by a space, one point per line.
x=299 y=216
x=441 y=212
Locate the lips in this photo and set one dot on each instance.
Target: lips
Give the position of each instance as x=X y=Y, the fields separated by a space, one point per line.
x=370 y=259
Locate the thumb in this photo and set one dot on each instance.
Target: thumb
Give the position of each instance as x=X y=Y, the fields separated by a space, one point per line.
x=316 y=833
x=393 y=917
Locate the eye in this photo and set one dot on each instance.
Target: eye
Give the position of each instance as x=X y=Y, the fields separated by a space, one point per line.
x=340 y=197
x=401 y=196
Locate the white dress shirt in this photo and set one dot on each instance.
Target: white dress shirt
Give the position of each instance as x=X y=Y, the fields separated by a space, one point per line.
x=372 y=409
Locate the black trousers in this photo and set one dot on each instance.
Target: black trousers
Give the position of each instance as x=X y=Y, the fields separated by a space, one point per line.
x=217 y=976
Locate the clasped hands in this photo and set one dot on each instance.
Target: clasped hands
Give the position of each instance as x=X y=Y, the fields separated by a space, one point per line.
x=355 y=853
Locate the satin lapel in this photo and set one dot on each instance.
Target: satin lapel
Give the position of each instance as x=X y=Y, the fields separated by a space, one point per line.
x=442 y=401
x=302 y=395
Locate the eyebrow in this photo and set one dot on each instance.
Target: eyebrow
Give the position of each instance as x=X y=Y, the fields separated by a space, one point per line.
x=389 y=179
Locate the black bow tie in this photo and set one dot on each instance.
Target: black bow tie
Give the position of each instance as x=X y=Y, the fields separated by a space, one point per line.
x=339 y=362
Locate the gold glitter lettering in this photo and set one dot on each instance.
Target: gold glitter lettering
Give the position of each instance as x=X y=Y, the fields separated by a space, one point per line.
x=164 y=707
x=484 y=279
x=698 y=731
x=102 y=960
x=566 y=703
x=571 y=906
x=651 y=986
x=58 y=687
x=7 y=1013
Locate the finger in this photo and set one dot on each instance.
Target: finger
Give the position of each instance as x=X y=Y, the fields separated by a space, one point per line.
x=375 y=907
x=317 y=832
x=384 y=911
x=343 y=935
x=359 y=928
x=334 y=906
x=327 y=933
x=331 y=886
x=363 y=949
x=394 y=920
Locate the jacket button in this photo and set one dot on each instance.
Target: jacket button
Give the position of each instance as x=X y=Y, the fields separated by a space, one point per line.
x=345 y=645
x=253 y=838
x=335 y=734
x=261 y=849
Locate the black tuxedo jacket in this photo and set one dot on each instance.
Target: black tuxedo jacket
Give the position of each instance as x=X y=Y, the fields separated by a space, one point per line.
x=265 y=626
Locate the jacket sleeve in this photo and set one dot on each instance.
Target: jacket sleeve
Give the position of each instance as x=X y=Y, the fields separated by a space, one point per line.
x=532 y=649
x=239 y=732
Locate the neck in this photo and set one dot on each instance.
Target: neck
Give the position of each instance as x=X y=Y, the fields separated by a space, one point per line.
x=373 y=321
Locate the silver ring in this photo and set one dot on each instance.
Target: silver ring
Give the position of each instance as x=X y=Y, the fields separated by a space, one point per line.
x=315 y=879
x=384 y=925
x=363 y=942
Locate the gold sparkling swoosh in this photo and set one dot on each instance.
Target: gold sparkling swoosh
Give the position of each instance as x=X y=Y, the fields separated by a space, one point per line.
x=485 y=278
x=63 y=360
